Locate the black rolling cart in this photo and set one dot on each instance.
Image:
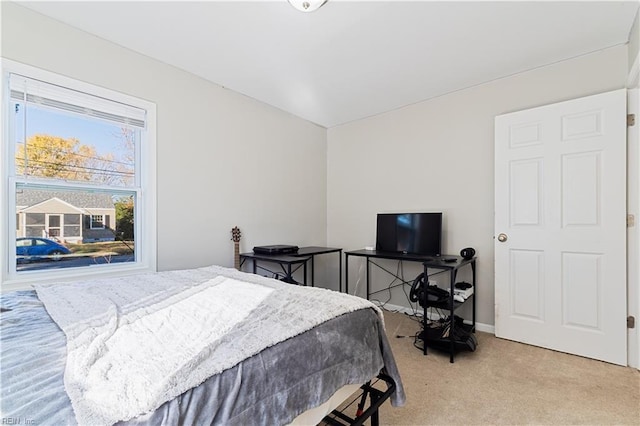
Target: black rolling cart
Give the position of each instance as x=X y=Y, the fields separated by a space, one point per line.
x=450 y=305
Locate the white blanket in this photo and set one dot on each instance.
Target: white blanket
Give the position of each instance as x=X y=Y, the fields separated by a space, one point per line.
x=136 y=342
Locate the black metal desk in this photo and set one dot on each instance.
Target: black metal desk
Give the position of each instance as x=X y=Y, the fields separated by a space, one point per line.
x=368 y=254
x=299 y=258
x=428 y=262
x=313 y=251
x=285 y=261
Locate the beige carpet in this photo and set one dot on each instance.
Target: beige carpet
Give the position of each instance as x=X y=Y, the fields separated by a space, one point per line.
x=507 y=383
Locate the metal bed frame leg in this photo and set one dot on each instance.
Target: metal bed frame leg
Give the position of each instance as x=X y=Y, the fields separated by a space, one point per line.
x=376 y=398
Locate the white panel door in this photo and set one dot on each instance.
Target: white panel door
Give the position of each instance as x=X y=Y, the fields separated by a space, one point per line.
x=560 y=223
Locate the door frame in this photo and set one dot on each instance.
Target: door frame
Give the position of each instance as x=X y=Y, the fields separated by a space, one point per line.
x=633 y=233
x=633 y=206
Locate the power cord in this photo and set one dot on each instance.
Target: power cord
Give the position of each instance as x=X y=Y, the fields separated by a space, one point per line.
x=360 y=269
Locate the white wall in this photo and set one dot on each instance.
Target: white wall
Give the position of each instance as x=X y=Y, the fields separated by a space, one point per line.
x=223 y=159
x=634 y=46
x=437 y=155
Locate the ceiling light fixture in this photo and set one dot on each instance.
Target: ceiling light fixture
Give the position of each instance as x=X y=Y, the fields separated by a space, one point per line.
x=307 y=5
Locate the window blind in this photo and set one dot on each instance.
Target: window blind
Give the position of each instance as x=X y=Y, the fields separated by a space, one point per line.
x=60 y=98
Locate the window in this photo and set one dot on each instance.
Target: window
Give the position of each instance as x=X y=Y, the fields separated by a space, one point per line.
x=97 y=221
x=80 y=168
x=24 y=243
x=35 y=225
x=71 y=226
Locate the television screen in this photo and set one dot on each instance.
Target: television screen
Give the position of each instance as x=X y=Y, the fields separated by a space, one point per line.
x=415 y=233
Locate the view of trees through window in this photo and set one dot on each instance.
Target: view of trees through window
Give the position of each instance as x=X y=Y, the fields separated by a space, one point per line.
x=55 y=157
x=85 y=216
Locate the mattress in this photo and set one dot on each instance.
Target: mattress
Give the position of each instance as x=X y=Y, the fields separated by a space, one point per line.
x=271 y=387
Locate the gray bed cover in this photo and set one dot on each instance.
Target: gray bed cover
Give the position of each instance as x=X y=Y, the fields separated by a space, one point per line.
x=270 y=388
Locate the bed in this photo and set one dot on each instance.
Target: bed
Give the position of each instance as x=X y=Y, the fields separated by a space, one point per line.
x=271 y=363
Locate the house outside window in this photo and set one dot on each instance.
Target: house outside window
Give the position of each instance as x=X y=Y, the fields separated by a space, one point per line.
x=71 y=215
x=80 y=158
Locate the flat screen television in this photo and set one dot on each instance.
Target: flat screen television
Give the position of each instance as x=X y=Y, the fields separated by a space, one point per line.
x=415 y=233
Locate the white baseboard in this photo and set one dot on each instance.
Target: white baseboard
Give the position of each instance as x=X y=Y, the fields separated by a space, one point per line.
x=485 y=328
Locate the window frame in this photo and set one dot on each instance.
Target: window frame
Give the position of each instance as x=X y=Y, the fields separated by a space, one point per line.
x=92 y=221
x=145 y=204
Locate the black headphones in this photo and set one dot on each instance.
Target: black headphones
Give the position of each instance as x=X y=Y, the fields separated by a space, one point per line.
x=467 y=253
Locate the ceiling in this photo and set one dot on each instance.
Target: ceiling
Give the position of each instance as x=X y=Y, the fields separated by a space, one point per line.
x=351 y=59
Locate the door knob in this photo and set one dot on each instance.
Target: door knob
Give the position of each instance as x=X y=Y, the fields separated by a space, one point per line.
x=502 y=237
